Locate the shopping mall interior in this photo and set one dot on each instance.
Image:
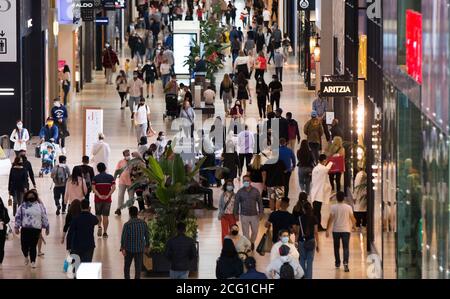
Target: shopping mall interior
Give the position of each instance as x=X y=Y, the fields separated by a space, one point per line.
x=367 y=87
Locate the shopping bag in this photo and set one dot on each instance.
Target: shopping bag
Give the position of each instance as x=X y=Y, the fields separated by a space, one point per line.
x=268 y=244
x=262 y=244
x=338 y=164
x=37 y=151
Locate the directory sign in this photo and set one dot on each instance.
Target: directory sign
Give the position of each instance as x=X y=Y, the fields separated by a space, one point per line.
x=182 y=44
x=93 y=125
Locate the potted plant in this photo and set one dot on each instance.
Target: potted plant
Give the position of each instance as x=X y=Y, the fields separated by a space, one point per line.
x=168 y=181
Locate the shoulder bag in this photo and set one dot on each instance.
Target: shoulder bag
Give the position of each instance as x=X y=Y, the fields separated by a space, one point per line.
x=307 y=244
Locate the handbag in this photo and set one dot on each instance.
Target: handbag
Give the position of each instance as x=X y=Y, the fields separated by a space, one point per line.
x=268 y=244
x=261 y=246
x=307 y=244
x=37 y=152
x=338 y=164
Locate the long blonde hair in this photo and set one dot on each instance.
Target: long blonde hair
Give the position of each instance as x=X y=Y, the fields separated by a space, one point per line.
x=226 y=80
x=336 y=145
x=256 y=163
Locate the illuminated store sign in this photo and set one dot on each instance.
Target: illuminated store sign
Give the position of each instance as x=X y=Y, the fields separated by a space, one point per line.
x=338 y=89
x=414 y=45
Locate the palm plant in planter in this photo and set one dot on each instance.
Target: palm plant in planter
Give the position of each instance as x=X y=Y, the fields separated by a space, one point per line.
x=169 y=181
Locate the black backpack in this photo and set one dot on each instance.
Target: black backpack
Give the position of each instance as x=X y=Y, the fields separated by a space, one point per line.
x=286 y=271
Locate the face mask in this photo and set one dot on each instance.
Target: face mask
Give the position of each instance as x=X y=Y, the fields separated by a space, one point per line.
x=285 y=259
x=19 y=126
x=246 y=184
x=234 y=232
x=57 y=104
x=284 y=240
x=50 y=124
x=31 y=199
x=230 y=188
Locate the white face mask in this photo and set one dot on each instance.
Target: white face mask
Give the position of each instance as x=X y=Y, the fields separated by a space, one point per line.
x=20 y=126
x=57 y=104
x=285 y=259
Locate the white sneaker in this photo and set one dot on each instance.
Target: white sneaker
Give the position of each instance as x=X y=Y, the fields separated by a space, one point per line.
x=33 y=265
x=26 y=261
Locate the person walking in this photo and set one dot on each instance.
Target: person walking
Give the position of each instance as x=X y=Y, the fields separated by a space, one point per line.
x=307 y=234
x=134 y=241
x=30 y=219
x=165 y=71
x=279 y=59
x=243 y=90
x=252 y=273
x=341 y=223
x=4 y=221
x=249 y=209
x=19 y=137
x=28 y=167
x=229 y=265
x=76 y=188
x=320 y=187
x=320 y=105
x=122 y=88
x=280 y=220
x=73 y=212
x=336 y=130
x=336 y=151
x=103 y=186
x=60 y=175
x=235 y=47
x=49 y=132
x=81 y=233
x=288 y=157
x=262 y=92
x=109 y=62
x=188 y=113
x=293 y=132
x=254 y=170
x=100 y=152
x=66 y=77
x=274 y=178
x=141 y=119
x=275 y=89
x=241 y=243
x=124 y=180
x=151 y=74
x=241 y=65
x=180 y=251
x=17 y=183
x=136 y=92
x=305 y=166
x=313 y=130
x=246 y=146
x=260 y=64
x=226 y=208
x=227 y=92
x=88 y=174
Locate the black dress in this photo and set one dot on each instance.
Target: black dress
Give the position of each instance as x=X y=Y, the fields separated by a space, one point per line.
x=230 y=161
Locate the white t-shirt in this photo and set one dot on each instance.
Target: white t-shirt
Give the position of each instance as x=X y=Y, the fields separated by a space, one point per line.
x=341 y=213
x=266 y=15
x=164 y=68
x=135 y=87
x=140 y=114
x=209 y=95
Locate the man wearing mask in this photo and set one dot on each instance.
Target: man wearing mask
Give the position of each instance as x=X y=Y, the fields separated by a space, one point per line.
x=136 y=92
x=248 y=208
x=124 y=180
x=275 y=88
x=142 y=119
x=284 y=239
x=49 y=132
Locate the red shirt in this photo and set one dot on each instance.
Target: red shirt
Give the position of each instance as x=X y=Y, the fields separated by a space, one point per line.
x=103 y=183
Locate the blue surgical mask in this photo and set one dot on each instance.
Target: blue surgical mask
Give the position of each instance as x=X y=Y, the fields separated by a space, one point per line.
x=246 y=184
x=230 y=188
x=284 y=240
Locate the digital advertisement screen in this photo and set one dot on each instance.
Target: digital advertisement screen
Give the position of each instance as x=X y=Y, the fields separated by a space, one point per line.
x=182 y=44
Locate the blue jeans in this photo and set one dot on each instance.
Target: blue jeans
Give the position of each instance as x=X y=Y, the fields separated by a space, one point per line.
x=304 y=178
x=179 y=274
x=337 y=244
x=165 y=79
x=306 y=260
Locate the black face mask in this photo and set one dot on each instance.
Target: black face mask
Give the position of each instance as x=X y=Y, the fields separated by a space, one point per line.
x=31 y=199
x=235 y=232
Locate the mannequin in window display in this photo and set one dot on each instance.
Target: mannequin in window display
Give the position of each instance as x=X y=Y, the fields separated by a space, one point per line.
x=360 y=199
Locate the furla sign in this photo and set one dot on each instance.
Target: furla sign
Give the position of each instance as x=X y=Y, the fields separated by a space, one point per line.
x=338 y=89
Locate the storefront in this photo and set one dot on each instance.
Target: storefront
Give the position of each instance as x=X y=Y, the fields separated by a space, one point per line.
x=306 y=43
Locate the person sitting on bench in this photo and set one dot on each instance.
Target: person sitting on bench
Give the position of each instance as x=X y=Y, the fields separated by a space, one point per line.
x=209 y=95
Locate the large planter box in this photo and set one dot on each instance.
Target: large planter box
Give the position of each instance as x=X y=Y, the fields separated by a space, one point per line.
x=161 y=266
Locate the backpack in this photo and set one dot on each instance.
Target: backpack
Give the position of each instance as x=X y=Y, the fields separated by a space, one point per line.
x=60 y=177
x=286 y=271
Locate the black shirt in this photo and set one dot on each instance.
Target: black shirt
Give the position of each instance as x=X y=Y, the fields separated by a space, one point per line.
x=275 y=175
x=275 y=88
x=180 y=251
x=281 y=220
x=81 y=232
x=150 y=71
x=229 y=267
x=308 y=224
x=88 y=174
x=255 y=174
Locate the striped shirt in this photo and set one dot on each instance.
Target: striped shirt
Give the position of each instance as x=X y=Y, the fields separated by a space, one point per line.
x=135 y=236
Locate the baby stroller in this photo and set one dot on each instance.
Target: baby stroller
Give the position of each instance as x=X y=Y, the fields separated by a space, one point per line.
x=172 y=108
x=48 y=152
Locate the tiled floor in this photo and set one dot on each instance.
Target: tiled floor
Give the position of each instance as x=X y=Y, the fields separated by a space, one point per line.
x=120 y=135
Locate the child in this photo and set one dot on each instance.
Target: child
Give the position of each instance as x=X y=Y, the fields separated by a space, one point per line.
x=48 y=157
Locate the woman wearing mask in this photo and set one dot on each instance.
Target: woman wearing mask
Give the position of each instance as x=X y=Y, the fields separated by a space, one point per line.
x=19 y=137
x=284 y=239
x=66 y=82
x=18 y=183
x=226 y=208
x=76 y=187
x=241 y=243
x=74 y=211
x=122 y=88
x=305 y=166
x=227 y=92
x=161 y=143
x=229 y=265
x=4 y=220
x=243 y=91
x=31 y=218
x=336 y=150
x=262 y=92
x=307 y=234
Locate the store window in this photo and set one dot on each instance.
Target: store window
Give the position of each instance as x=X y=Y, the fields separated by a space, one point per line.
x=402 y=6
x=409 y=191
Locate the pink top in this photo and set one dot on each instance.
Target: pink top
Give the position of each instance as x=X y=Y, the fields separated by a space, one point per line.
x=74 y=191
x=124 y=178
